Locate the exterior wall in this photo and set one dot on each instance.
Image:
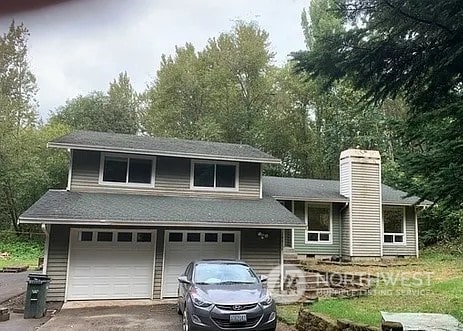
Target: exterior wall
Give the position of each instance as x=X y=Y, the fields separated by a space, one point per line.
x=57 y=261
x=172 y=177
x=263 y=255
x=366 y=215
x=362 y=225
x=158 y=264
x=321 y=248
x=409 y=249
x=345 y=232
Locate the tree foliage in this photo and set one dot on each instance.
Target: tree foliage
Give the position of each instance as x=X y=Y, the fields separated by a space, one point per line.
x=114 y=111
x=27 y=168
x=411 y=49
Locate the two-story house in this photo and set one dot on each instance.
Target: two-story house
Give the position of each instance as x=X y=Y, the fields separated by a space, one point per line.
x=137 y=209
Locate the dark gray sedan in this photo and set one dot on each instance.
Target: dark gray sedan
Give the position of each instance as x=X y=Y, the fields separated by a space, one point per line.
x=224 y=295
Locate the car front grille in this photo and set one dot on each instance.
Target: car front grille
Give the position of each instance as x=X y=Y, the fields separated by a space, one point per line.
x=237 y=307
x=225 y=323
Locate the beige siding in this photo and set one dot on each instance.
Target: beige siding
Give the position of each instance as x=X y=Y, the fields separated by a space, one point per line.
x=172 y=177
x=410 y=237
x=321 y=249
x=159 y=260
x=345 y=232
x=366 y=210
x=345 y=185
x=263 y=255
x=57 y=262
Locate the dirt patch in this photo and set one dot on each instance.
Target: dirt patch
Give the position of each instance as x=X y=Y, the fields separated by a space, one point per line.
x=283 y=327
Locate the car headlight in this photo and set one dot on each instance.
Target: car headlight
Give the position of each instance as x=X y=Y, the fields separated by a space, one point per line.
x=198 y=301
x=267 y=300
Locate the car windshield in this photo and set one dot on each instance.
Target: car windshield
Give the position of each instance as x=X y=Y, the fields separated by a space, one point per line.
x=224 y=274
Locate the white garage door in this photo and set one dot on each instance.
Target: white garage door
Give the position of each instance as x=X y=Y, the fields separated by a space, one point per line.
x=182 y=247
x=110 y=264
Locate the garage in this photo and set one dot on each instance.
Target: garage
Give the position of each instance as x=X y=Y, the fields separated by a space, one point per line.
x=182 y=247
x=110 y=264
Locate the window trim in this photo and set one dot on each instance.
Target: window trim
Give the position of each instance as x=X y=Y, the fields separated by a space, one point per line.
x=214 y=188
x=128 y=157
x=404 y=227
x=330 y=232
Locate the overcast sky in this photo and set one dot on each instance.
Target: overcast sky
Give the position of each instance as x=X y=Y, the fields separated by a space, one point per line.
x=79 y=46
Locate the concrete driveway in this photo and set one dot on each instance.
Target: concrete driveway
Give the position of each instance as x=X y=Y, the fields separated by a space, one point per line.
x=147 y=317
x=131 y=317
x=12 y=284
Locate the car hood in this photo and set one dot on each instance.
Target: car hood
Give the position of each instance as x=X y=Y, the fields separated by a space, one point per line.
x=232 y=294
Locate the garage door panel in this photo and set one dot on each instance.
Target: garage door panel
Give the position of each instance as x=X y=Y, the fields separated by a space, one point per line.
x=110 y=270
x=179 y=254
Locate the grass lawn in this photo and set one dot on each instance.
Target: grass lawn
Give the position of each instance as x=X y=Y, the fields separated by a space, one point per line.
x=443 y=294
x=21 y=251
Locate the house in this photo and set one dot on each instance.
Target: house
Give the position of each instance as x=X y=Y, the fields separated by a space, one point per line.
x=137 y=209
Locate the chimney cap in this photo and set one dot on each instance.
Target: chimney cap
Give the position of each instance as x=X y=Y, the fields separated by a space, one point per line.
x=360 y=153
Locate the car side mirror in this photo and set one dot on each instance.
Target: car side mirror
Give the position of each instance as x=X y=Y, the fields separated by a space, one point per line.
x=263 y=278
x=183 y=280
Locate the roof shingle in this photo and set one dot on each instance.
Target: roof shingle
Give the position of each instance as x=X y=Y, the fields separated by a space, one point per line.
x=103 y=208
x=127 y=143
x=326 y=190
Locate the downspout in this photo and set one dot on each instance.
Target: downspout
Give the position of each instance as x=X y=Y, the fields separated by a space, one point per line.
x=47 y=243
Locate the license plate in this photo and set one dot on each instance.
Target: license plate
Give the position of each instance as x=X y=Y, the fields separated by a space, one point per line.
x=238 y=318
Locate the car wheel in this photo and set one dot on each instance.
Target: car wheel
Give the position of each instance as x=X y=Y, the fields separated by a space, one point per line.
x=185 y=320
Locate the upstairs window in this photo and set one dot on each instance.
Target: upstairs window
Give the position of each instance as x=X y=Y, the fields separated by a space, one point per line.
x=210 y=175
x=127 y=170
x=319 y=223
x=394 y=225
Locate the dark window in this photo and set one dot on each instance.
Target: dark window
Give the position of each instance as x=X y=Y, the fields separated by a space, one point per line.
x=228 y=237
x=124 y=236
x=312 y=236
x=324 y=237
x=214 y=175
x=115 y=169
x=299 y=209
x=193 y=237
x=226 y=175
x=319 y=218
x=105 y=236
x=399 y=238
x=140 y=171
x=393 y=220
x=175 y=236
x=211 y=237
x=86 y=236
x=144 y=237
x=203 y=175
x=287 y=204
x=388 y=238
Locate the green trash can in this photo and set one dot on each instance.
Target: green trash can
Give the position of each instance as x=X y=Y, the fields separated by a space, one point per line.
x=36 y=294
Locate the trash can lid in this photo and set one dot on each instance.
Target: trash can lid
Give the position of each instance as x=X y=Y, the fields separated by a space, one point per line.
x=38 y=277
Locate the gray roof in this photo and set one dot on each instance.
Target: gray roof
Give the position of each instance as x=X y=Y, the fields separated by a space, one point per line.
x=67 y=207
x=126 y=143
x=304 y=189
x=326 y=190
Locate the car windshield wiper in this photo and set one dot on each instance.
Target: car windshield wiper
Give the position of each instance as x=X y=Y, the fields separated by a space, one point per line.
x=234 y=282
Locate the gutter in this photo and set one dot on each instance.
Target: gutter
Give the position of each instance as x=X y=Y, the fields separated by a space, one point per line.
x=98 y=222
